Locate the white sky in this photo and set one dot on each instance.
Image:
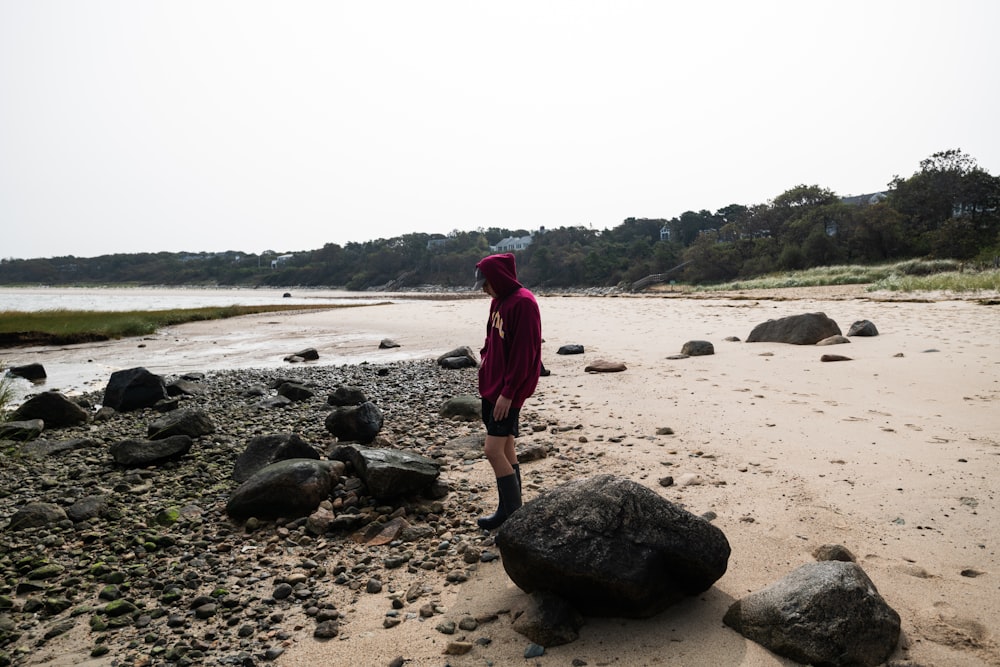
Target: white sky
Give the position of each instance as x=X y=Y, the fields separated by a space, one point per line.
x=180 y=125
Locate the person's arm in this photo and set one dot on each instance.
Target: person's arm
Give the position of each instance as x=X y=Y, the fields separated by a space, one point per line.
x=526 y=337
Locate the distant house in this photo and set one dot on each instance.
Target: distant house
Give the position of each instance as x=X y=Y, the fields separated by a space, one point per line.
x=865 y=200
x=512 y=243
x=437 y=244
x=279 y=260
x=664 y=233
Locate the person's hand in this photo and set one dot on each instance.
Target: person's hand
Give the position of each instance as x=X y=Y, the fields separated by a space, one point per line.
x=501 y=408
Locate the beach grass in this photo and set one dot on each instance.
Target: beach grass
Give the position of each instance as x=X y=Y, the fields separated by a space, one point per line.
x=61 y=326
x=909 y=276
x=6 y=391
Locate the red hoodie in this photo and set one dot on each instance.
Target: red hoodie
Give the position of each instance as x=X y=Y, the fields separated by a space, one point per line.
x=512 y=353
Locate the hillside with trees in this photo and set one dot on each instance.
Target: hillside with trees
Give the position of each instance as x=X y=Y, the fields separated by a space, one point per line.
x=949 y=208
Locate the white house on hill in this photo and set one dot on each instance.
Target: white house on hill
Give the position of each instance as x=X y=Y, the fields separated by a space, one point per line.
x=512 y=243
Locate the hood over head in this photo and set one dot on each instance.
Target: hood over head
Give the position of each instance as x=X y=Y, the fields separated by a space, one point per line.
x=500 y=271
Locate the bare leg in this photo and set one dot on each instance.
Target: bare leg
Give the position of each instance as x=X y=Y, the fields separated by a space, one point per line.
x=501 y=454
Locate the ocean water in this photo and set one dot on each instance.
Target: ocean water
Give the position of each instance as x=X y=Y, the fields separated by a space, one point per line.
x=73 y=369
x=32 y=299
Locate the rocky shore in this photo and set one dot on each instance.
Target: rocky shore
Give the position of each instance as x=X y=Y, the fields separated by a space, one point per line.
x=147 y=568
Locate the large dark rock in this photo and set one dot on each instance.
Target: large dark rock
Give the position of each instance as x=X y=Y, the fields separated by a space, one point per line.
x=826 y=613
x=697 y=348
x=24 y=430
x=134 y=453
x=570 y=349
x=611 y=547
x=805 y=329
x=133 y=389
x=31 y=372
x=53 y=408
x=88 y=507
x=263 y=450
x=308 y=354
x=862 y=328
x=347 y=395
x=389 y=473
x=464 y=408
x=290 y=488
x=193 y=423
x=460 y=357
x=295 y=391
x=185 y=387
x=355 y=423
x=35 y=515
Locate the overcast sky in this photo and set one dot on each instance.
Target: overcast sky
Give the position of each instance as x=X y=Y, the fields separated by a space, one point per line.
x=138 y=126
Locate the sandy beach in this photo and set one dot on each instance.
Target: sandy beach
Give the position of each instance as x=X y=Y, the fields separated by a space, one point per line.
x=893 y=454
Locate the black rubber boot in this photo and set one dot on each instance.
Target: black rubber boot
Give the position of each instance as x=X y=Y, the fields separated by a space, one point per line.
x=517 y=473
x=510 y=501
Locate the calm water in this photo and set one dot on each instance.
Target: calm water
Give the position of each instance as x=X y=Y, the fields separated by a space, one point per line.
x=76 y=368
x=151 y=298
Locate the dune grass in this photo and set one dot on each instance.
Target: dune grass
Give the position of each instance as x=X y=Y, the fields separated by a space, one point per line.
x=62 y=326
x=908 y=276
x=6 y=391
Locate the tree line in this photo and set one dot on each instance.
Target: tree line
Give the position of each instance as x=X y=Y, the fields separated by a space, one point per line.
x=948 y=208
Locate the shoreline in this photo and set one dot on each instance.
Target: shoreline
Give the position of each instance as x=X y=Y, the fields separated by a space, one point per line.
x=892 y=455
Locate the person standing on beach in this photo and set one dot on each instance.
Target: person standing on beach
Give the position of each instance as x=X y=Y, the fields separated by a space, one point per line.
x=508 y=374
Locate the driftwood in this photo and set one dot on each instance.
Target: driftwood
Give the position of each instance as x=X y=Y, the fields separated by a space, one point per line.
x=655 y=278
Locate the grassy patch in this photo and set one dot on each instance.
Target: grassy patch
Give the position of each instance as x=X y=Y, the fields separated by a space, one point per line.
x=911 y=275
x=62 y=327
x=949 y=281
x=6 y=392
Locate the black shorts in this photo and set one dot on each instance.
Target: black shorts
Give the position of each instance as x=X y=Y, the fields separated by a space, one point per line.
x=504 y=427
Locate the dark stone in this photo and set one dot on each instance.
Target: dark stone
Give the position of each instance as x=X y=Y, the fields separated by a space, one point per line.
x=88 y=507
x=356 y=423
x=834 y=357
x=862 y=328
x=570 y=349
x=697 y=348
x=389 y=473
x=308 y=354
x=193 y=423
x=387 y=344
x=826 y=613
x=805 y=329
x=31 y=372
x=347 y=396
x=464 y=408
x=456 y=363
x=21 y=431
x=35 y=515
x=263 y=450
x=460 y=357
x=184 y=387
x=53 y=408
x=295 y=391
x=611 y=547
x=133 y=389
x=291 y=488
x=134 y=453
